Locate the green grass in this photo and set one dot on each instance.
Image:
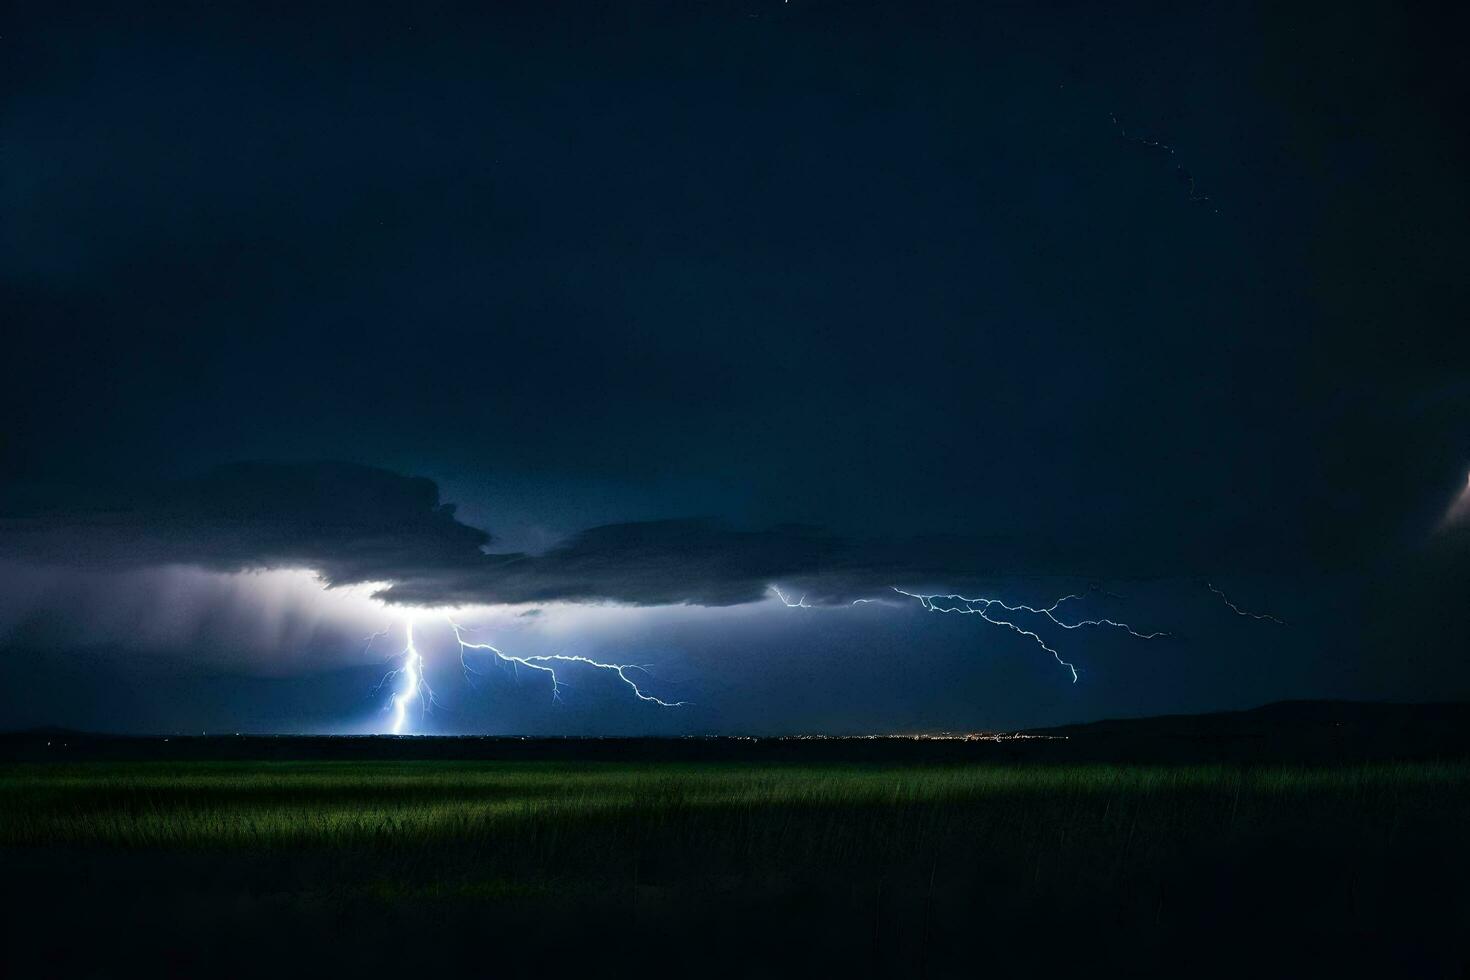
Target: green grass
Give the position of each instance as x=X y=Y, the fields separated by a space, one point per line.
x=765 y=814
x=912 y=857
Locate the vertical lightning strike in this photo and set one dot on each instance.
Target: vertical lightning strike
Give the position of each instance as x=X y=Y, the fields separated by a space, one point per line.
x=1241 y=612
x=414 y=686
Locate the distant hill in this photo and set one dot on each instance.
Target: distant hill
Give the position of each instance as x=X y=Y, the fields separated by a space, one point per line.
x=1285 y=716
x=1291 y=729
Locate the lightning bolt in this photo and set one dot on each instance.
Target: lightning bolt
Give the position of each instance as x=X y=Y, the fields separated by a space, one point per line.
x=1241 y=612
x=619 y=669
x=986 y=608
x=1195 y=197
x=966 y=606
x=543 y=664
x=374 y=637
x=414 y=687
x=982 y=606
x=798 y=604
x=515 y=663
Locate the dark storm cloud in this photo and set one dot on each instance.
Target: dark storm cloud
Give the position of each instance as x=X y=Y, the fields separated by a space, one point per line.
x=885 y=270
x=351 y=523
x=900 y=249
x=355 y=524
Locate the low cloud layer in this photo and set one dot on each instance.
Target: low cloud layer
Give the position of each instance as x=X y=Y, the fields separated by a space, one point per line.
x=350 y=523
x=355 y=524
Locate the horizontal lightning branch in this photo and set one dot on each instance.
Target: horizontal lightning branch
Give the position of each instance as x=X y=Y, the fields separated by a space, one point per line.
x=1241 y=612
x=982 y=607
x=1195 y=196
x=619 y=669
x=991 y=610
x=542 y=663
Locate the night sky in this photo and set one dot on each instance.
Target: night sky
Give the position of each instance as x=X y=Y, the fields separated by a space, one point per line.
x=595 y=322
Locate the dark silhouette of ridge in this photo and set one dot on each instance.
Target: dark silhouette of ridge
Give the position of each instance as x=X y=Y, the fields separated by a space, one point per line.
x=1288 y=732
x=1282 y=716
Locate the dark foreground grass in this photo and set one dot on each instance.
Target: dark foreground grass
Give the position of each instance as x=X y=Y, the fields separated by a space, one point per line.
x=518 y=868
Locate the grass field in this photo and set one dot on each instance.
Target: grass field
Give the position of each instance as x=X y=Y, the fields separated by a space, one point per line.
x=739 y=868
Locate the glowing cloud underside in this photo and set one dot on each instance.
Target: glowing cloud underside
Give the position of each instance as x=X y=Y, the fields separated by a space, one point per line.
x=412 y=689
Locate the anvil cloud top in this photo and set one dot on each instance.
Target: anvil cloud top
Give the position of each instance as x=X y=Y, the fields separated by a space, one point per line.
x=596 y=326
